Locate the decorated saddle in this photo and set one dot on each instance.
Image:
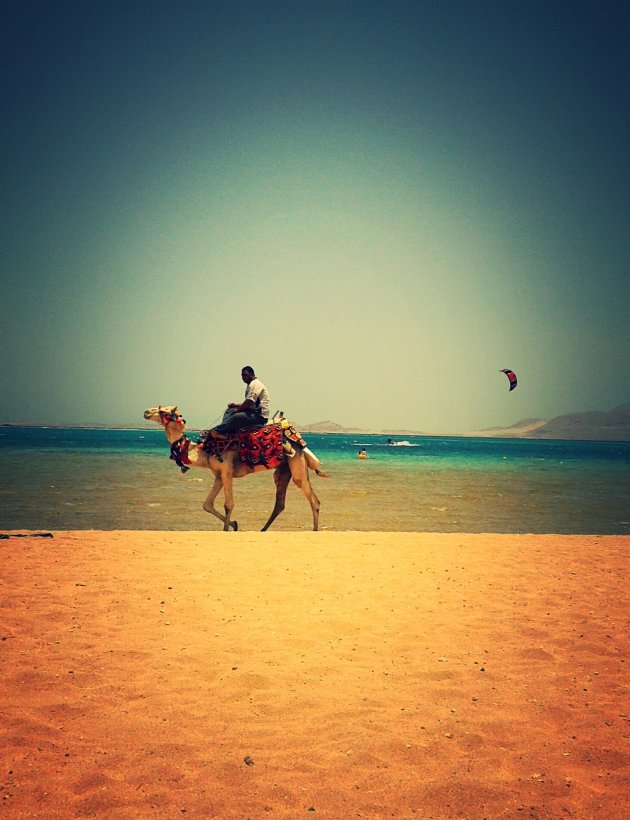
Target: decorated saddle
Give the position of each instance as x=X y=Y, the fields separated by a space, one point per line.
x=262 y=447
x=267 y=446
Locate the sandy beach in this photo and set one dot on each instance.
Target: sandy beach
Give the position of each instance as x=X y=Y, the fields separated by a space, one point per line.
x=332 y=675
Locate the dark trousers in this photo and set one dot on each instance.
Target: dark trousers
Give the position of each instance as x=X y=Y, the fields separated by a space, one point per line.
x=234 y=421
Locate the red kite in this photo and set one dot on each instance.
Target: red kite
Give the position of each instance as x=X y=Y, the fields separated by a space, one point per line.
x=511 y=376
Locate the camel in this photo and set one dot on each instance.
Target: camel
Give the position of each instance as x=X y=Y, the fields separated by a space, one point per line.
x=228 y=467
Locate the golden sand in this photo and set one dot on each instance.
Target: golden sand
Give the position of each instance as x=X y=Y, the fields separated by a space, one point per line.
x=331 y=675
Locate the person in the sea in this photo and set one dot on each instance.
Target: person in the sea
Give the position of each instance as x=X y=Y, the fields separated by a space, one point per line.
x=253 y=411
x=362 y=453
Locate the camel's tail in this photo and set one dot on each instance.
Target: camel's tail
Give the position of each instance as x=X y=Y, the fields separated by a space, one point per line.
x=314 y=463
x=293 y=437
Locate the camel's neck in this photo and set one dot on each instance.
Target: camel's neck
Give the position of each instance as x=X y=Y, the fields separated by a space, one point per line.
x=196 y=457
x=174 y=430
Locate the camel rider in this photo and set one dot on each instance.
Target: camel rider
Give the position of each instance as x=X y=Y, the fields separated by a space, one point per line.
x=253 y=411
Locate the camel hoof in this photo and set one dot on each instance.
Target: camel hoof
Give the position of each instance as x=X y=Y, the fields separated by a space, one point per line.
x=234 y=525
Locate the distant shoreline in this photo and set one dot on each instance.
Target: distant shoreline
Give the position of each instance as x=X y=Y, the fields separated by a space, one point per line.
x=541 y=431
x=591 y=425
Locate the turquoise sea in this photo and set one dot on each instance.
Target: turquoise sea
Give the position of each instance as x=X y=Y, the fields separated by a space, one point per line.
x=60 y=478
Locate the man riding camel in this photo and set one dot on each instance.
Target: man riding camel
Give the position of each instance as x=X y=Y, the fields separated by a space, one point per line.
x=253 y=411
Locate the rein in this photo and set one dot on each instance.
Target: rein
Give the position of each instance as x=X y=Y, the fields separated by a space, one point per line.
x=179 y=453
x=179 y=448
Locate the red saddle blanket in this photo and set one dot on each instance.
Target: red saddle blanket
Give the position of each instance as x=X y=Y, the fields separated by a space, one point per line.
x=255 y=447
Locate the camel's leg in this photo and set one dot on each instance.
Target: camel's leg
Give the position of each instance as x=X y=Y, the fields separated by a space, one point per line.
x=299 y=471
x=208 y=504
x=228 y=499
x=281 y=476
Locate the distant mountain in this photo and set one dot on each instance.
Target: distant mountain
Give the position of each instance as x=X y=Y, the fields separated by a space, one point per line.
x=521 y=429
x=611 y=426
x=591 y=425
x=331 y=427
x=323 y=427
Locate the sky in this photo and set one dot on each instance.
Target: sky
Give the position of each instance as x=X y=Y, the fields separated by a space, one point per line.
x=376 y=205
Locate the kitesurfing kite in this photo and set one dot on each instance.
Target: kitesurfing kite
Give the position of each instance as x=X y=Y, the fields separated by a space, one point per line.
x=511 y=376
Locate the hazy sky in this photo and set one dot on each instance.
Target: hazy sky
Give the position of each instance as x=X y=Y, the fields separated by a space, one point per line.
x=377 y=205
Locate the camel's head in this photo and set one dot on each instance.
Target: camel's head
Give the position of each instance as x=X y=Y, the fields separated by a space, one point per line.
x=164 y=415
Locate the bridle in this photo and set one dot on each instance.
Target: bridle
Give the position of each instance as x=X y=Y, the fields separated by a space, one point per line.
x=179 y=447
x=167 y=416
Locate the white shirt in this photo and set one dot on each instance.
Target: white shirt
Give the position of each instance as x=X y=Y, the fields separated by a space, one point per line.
x=258 y=393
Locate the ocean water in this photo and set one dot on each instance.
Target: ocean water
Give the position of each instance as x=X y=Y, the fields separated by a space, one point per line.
x=59 y=478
